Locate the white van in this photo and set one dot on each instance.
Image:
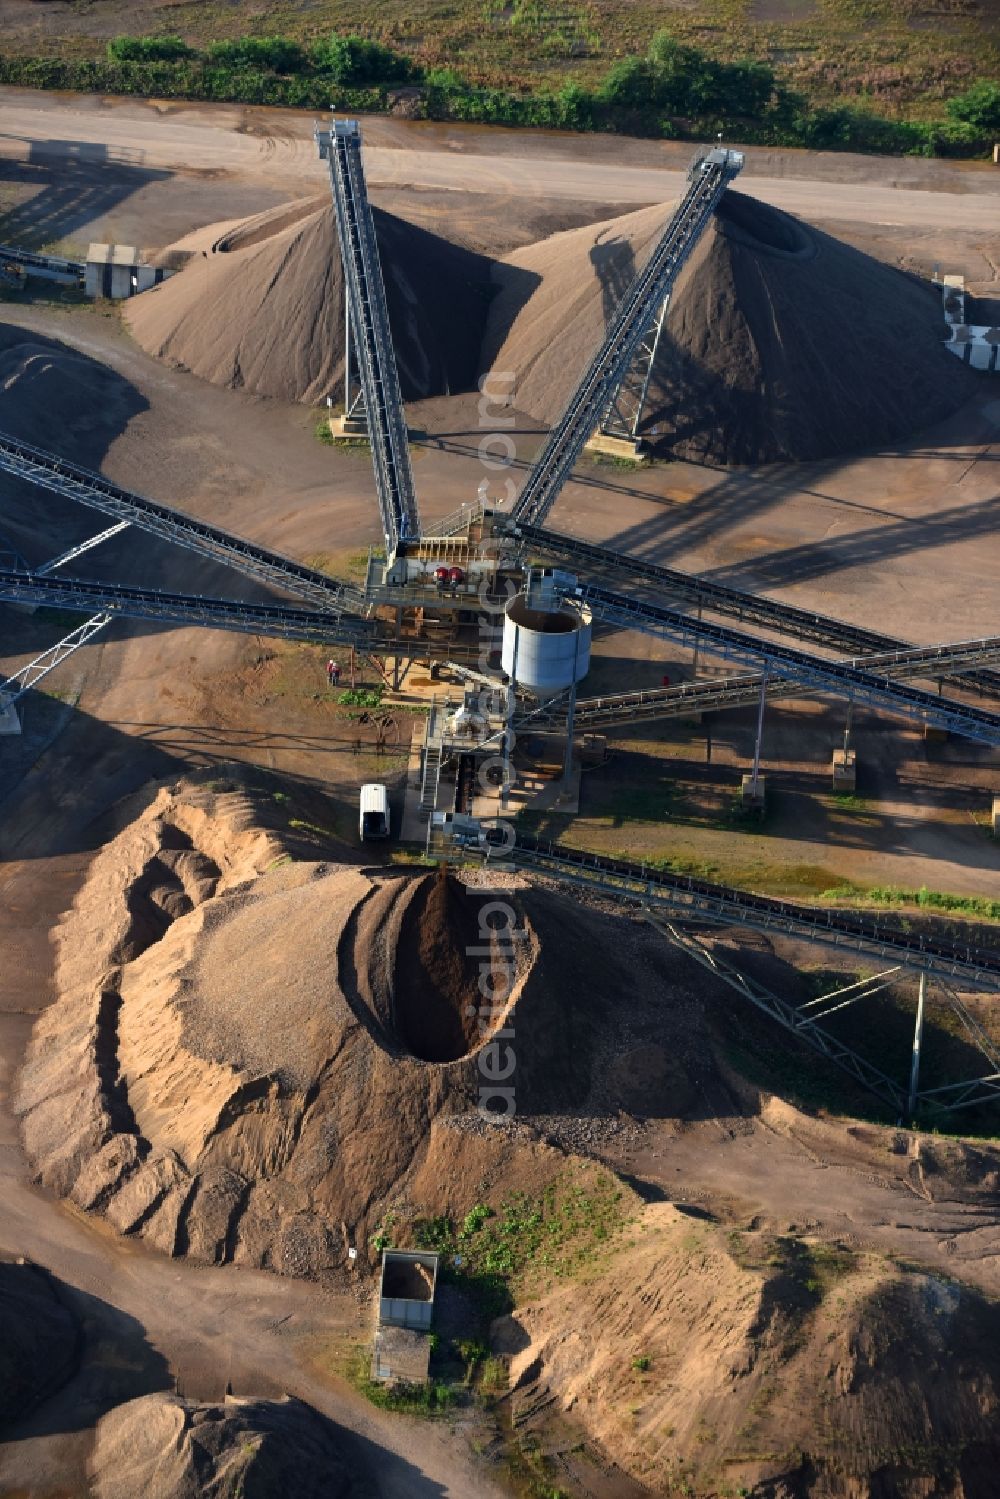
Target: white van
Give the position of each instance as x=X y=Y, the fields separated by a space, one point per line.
x=374 y=822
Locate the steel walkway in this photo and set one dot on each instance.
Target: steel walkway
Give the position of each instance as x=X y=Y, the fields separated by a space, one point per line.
x=372 y=336
x=22 y=461
x=843 y=678
x=704 y=902
x=709 y=177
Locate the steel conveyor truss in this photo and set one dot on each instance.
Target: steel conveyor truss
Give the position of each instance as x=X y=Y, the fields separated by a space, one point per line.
x=850 y=679
x=22 y=461
x=709 y=177
x=369 y=318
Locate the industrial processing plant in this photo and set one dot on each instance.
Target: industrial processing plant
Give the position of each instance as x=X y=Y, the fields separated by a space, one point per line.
x=499 y=712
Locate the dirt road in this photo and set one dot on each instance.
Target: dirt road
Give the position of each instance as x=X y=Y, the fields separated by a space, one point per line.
x=275 y=149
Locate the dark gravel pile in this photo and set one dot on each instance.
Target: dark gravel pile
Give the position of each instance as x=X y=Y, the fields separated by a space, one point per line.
x=38 y=1339
x=267 y=314
x=783 y=343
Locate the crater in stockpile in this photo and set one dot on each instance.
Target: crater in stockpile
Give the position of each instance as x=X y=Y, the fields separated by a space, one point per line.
x=448 y=965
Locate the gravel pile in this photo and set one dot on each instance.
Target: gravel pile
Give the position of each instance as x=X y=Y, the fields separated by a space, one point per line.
x=263 y=309
x=164 y=1447
x=781 y=342
x=38 y=1339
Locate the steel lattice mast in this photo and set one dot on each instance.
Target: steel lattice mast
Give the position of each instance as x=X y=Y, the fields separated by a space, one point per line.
x=709 y=177
x=372 y=340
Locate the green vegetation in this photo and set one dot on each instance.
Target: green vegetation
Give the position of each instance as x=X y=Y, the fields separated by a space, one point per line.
x=557 y=1235
x=977 y=906
x=361 y=697
x=148 y=49
x=566 y=70
x=431 y=1399
x=354 y=62
x=978 y=107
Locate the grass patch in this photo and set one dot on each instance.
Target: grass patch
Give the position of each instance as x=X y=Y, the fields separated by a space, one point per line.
x=435 y=1398
x=979 y=907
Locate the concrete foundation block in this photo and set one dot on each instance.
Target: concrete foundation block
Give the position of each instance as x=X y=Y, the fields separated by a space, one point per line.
x=631 y=448
x=844 y=770
x=10 y=722
x=348 y=428
x=751 y=797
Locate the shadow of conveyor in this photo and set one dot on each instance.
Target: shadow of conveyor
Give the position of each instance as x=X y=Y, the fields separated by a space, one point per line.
x=77 y=182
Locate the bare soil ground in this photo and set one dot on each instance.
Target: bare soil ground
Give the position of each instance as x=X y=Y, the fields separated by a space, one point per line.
x=902 y=538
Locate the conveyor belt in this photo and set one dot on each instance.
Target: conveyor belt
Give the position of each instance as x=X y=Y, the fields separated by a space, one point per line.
x=280 y=621
x=369 y=317
x=844 y=678
x=23 y=461
x=703 y=901
x=623 y=709
x=48 y=267
x=690 y=591
x=708 y=179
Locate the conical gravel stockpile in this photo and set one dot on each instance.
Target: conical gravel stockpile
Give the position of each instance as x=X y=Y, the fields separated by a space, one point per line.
x=781 y=342
x=263 y=307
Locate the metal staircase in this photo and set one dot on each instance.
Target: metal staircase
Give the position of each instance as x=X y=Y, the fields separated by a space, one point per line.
x=709 y=177
x=369 y=318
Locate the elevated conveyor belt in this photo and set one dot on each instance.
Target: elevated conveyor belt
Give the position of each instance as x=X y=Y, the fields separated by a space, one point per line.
x=372 y=336
x=283 y=621
x=709 y=178
x=280 y=621
x=45 y=267
x=702 y=901
x=683 y=588
x=843 y=678
x=35 y=466
x=614 y=709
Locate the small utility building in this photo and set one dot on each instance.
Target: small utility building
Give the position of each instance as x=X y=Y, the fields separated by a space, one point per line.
x=405 y=1313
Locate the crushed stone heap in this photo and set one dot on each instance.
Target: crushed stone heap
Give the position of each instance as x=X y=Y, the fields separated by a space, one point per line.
x=164 y=1447
x=781 y=343
x=252 y=1056
x=263 y=308
x=39 y=1341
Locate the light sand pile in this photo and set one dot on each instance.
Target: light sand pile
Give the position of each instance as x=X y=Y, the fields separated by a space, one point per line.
x=233 y=1068
x=263 y=307
x=781 y=343
x=38 y=1339
x=793 y=1368
x=164 y=1447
